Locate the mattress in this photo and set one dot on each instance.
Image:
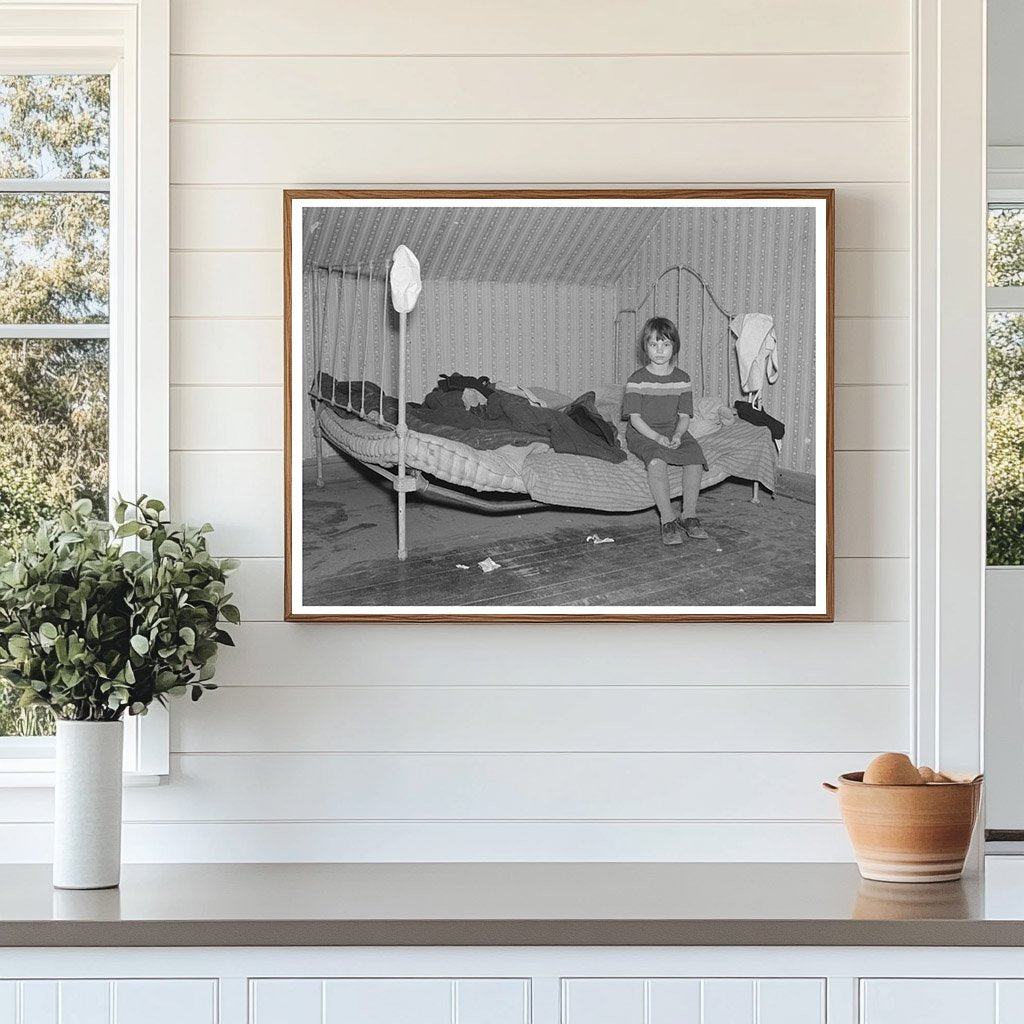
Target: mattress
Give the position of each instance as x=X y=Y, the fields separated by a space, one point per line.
x=741 y=450
x=498 y=469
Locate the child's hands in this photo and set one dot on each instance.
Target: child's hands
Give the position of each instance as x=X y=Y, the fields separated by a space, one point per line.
x=666 y=442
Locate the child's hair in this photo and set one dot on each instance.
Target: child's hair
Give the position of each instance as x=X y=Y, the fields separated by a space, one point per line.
x=659 y=326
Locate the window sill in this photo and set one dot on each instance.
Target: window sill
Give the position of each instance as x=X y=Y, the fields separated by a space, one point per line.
x=39 y=773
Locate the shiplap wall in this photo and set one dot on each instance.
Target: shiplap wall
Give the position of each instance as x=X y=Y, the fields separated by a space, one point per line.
x=604 y=742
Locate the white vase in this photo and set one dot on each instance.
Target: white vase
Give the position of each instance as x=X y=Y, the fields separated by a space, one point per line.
x=87 y=805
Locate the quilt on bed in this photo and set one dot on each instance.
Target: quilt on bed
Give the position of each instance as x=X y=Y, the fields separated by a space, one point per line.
x=742 y=450
x=505 y=419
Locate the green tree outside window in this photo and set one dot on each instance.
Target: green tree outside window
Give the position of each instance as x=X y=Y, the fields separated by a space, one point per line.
x=1005 y=476
x=54 y=271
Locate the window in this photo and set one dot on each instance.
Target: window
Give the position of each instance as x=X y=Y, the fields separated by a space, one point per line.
x=1005 y=476
x=54 y=309
x=84 y=127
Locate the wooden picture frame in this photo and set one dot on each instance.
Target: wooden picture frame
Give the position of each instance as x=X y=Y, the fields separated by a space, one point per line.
x=565 y=280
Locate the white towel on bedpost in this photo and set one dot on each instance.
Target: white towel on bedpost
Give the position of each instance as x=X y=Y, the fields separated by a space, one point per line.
x=756 y=352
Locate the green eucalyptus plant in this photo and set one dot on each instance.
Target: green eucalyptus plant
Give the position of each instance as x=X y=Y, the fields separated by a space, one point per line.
x=91 y=630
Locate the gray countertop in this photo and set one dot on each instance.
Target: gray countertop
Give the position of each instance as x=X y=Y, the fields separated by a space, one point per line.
x=561 y=904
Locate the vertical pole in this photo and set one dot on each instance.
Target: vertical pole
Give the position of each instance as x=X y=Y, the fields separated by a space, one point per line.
x=318 y=444
x=402 y=432
x=383 y=344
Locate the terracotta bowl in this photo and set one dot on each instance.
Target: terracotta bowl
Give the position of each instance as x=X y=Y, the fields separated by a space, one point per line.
x=909 y=833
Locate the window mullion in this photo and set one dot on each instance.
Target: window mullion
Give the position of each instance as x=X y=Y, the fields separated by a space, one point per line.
x=1005 y=300
x=63 y=332
x=55 y=185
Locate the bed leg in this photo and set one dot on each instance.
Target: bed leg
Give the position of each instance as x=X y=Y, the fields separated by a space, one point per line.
x=756 y=500
x=402 y=550
x=403 y=485
x=318 y=443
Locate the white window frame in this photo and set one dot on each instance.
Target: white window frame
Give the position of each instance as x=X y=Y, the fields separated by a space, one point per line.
x=130 y=41
x=1005 y=805
x=949 y=401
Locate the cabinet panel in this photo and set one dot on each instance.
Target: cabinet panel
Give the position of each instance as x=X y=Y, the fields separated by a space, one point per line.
x=84 y=1002
x=790 y=1001
x=728 y=1001
x=603 y=1001
x=928 y=1001
x=8 y=1002
x=38 y=1002
x=1009 y=1002
x=165 y=1002
x=388 y=1001
x=286 y=1001
x=674 y=1000
x=492 y=1001
x=693 y=1001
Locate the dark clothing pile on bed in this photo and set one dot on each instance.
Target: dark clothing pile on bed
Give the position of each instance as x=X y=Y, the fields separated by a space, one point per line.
x=760 y=418
x=504 y=419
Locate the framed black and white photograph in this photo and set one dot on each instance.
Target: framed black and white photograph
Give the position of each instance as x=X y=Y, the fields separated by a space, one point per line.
x=558 y=405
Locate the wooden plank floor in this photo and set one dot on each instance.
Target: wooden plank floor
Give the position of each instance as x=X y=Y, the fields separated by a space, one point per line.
x=757 y=554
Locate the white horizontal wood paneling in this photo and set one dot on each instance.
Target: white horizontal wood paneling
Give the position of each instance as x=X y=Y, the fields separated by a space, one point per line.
x=241 y=493
x=506 y=786
x=872 y=418
x=872 y=499
x=873 y=283
x=734 y=93
x=556 y=151
x=460 y=26
x=870 y=350
x=222 y=352
x=605 y=718
x=215 y=418
x=872 y=589
x=867 y=589
x=258 y=587
x=868 y=216
x=232 y=284
x=538 y=88
x=844 y=654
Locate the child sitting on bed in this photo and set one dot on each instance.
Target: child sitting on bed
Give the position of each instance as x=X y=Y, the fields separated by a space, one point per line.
x=658 y=402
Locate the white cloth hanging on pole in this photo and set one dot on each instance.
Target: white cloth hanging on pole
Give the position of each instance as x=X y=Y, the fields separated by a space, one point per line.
x=757 y=352
x=406 y=283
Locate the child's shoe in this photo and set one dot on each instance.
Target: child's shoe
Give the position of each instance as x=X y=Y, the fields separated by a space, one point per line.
x=670 y=533
x=692 y=528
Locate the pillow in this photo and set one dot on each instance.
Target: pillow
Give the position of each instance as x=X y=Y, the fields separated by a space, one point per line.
x=552 y=399
x=608 y=398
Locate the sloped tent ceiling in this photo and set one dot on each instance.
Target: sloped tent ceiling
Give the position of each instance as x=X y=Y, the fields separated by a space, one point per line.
x=512 y=245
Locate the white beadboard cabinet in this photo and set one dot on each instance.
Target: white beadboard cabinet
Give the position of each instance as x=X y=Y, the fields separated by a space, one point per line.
x=513 y=985
x=109 y=1001
x=942 y=1001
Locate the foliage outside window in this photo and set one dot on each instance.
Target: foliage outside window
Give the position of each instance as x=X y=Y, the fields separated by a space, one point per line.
x=54 y=308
